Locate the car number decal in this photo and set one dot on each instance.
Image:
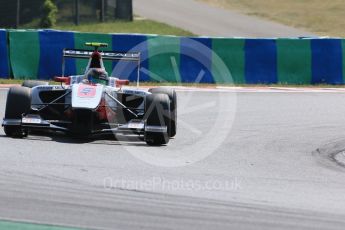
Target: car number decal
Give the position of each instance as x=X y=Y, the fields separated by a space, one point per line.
x=86 y=91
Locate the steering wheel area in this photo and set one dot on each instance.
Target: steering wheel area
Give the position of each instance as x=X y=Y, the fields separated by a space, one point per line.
x=95 y=74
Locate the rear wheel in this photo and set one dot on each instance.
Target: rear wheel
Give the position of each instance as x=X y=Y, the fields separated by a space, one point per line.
x=173 y=107
x=31 y=83
x=18 y=103
x=157 y=110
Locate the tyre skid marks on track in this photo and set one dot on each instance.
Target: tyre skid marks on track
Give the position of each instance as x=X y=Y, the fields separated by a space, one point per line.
x=332 y=155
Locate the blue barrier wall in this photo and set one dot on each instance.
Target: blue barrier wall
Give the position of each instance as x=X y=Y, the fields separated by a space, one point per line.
x=52 y=44
x=196 y=60
x=327 y=63
x=4 y=57
x=136 y=43
x=261 y=61
x=251 y=61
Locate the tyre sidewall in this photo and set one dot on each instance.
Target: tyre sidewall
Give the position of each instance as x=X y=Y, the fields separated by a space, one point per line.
x=157 y=106
x=173 y=106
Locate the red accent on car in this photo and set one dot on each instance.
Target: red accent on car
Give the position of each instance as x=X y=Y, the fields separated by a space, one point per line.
x=121 y=82
x=66 y=80
x=95 y=60
x=96 y=54
x=105 y=113
x=102 y=113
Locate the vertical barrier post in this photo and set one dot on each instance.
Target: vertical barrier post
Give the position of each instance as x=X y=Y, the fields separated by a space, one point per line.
x=76 y=19
x=18 y=14
x=102 y=11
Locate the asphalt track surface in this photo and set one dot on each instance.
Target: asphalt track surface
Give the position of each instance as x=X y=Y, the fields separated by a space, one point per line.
x=275 y=169
x=202 y=19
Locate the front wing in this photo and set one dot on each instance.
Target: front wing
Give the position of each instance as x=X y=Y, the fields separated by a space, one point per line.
x=35 y=122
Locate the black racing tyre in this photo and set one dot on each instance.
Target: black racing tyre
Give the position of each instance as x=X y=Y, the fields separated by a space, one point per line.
x=157 y=110
x=173 y=107
x=18 y=103
x=31 y=83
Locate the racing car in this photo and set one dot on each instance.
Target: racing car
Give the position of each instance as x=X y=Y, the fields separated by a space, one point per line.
x=92 y=103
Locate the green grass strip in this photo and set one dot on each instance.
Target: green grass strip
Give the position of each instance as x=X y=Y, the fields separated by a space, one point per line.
x=142 y=26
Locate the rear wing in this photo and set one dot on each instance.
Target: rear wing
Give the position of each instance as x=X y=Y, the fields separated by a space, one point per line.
x=106 y=55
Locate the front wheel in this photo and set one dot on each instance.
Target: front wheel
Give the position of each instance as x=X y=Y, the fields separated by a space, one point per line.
x=173 y=107
x=158 y=121
x=18 y=103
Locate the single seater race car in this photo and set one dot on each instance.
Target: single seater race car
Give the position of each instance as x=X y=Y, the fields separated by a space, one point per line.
x=92 y=103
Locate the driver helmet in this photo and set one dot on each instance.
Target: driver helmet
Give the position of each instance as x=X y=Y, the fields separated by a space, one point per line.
x=97 y=73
